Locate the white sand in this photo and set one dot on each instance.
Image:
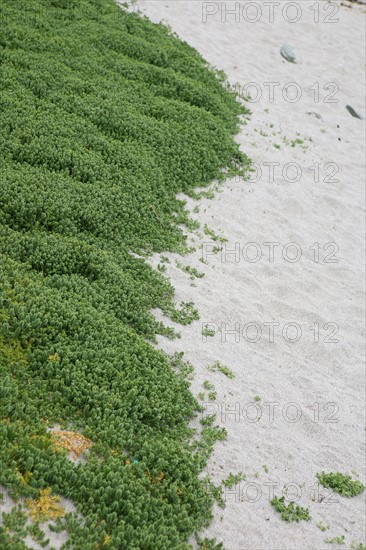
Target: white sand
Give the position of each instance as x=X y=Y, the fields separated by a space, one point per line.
x=306 y=292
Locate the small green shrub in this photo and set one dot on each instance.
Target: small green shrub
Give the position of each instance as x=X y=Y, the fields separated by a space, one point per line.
x=290 y=512
x=210 y=233
x=335 y=540
x=218 y=367
x=209 y=544
x=186 y=315
x=192 y=271
x=206 y=331
x=233 y=479
x=341 y=483
x=322 y=526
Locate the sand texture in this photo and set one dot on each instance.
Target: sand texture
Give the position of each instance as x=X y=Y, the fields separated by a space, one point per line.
x=311 y=383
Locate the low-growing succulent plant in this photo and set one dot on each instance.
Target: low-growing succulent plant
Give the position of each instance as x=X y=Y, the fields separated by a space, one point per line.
x=291 y=511
x=341 y=483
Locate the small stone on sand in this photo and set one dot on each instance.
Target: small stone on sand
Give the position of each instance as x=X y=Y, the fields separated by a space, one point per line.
x=353 y=112
x=288 y=53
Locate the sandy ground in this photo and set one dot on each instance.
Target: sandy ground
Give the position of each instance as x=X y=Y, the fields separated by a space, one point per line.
x=295 y=311
x=56 y=539
x=298 y=393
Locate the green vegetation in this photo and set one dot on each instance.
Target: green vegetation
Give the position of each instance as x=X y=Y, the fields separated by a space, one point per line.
x=209 y=436
x=209 y=232
x=185 y=315
x=105 y=117
x=335 y=540
x=216 y=492
x=233 y=479
x=15 y=528
x=209 y=194
x=209 y=544
x=208 y=420
x=184 y=369
x=206 y=331
x=212 y=394
x=217 y=366
x=297 y=141
x=341 y=483
x=290 y=512
x=322 y=526
x=192 y=271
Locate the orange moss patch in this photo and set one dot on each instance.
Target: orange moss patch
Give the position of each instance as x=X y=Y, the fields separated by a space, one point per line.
x=73 y=442
x=45 y=507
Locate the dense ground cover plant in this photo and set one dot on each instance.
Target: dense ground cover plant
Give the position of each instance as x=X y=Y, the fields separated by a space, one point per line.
x=105 y=117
